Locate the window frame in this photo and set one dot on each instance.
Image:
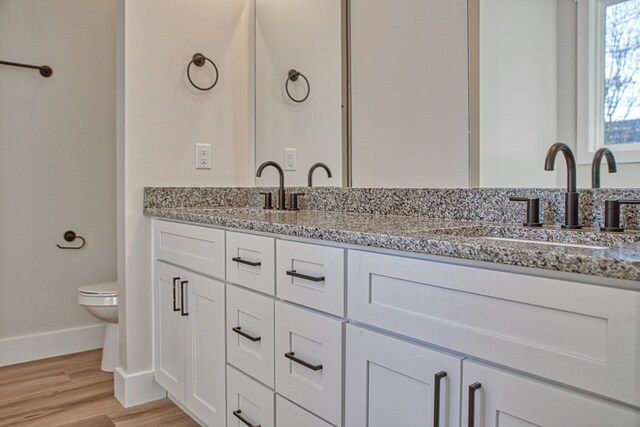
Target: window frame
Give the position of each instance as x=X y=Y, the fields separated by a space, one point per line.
x=590 y=80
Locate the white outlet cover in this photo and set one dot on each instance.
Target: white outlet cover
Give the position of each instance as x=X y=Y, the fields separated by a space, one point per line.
x=290 y=159
x=203 y=156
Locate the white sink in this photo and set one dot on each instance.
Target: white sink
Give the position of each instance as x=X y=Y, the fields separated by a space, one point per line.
x=540 y=242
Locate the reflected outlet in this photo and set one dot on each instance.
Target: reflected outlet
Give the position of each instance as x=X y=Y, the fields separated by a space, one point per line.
x=289 y=159
x=203 y=156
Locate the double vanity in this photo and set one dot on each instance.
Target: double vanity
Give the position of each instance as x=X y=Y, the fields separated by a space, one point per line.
x=393 y=308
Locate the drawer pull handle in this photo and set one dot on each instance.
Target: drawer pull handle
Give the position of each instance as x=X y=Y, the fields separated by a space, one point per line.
x=244 y=261
x=238 y=415
x=472 y=402
x=238 y=330
x=293 y=273
x=291 y=356
x=183 y=299
x=175 y=284
x=436 y=401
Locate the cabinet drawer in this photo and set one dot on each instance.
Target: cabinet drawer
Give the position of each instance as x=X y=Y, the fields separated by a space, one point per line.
x=551 y=328
x=313 y=379
x=393 y=382
x=193 y=247
x=311 y=275
x=290 y=415
x=250 y=333
x=251 y=261
x=248 y=402
x=500 y=398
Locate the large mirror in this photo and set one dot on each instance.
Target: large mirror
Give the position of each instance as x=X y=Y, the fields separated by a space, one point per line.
x=448 y=94
x=299 y=89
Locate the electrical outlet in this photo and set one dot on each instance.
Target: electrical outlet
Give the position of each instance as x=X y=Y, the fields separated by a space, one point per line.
x=203 y=156
x=289 y=159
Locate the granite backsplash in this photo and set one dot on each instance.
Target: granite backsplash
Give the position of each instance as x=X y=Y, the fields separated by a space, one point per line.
x=475 y=204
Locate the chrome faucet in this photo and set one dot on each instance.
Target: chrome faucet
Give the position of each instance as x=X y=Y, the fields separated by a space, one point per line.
x=313 y=168
x=571 y=202
x=595 y=165
x=281 y=204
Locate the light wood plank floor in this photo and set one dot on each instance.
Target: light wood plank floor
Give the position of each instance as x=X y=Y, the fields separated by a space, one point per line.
x=72 y=391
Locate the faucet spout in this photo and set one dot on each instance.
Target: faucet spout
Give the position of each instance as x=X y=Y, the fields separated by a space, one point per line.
x=595 y=165
x=281 y=201
x=313 y=168
x=550 y=160
x=571 y=201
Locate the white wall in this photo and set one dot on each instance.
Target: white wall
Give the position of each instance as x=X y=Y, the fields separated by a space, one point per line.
x=306 y=36
x=57 y=162
x=409 y=72
x=160 y=119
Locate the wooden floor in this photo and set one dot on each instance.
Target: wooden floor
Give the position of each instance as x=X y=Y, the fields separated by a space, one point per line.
x=72 y=391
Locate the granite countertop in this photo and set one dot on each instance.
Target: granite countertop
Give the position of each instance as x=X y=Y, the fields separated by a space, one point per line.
x=608 y=255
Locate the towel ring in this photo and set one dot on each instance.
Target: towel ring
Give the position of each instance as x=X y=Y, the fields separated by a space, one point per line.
x=292 y=77
x=70 y=236
x=199 y=60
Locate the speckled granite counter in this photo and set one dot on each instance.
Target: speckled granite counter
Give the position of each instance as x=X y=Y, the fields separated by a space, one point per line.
x=469 y=240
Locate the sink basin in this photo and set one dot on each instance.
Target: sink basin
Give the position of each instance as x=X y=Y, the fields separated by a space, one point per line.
x=585 y=238
x=225 y=210
x=541 y=242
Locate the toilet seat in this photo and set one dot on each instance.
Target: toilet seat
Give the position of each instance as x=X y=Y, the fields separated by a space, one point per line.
x=99 y=294
x=100 y=289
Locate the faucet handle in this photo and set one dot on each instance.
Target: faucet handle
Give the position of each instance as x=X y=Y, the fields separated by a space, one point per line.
x=612 y=214
x=268 y=197
x=533 y=210
x=293 y=201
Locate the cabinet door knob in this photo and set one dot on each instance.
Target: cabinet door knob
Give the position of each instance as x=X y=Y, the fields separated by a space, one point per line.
x=238 y=330
x=244 y=261
x=437 y=380
x=175 y=284
x=183 y=304
x=291 y=356
x=238 y=415
x=472 y=403
x=293 y=273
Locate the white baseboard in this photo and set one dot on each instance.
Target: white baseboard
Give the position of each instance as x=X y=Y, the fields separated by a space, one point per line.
x=138 y=388
x=50 y=344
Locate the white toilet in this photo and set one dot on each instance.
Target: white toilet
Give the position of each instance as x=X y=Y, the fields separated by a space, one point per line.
x=101 y=300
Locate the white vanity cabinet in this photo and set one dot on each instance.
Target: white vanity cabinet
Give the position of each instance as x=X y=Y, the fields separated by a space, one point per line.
x=189 y=336
x=361 y=338
x=391 y=382
x=494 y=397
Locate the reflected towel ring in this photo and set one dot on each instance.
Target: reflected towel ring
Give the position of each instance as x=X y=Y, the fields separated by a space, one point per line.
x=292 y=77
x=70 y=236
x=199 y=60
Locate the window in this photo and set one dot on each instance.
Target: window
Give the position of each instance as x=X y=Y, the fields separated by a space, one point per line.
x=614 y=33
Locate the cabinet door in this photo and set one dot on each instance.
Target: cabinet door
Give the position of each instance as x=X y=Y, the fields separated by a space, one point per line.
x=204 y=351
x=291 y=415
x=169 y=329
x=502 y=399
x=309 y=360
x=249 y=403
x=251 y=261
x=250 y=333
x=390 y=382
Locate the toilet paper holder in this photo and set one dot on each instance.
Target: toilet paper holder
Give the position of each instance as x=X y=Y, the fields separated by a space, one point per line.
x=71 y=236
